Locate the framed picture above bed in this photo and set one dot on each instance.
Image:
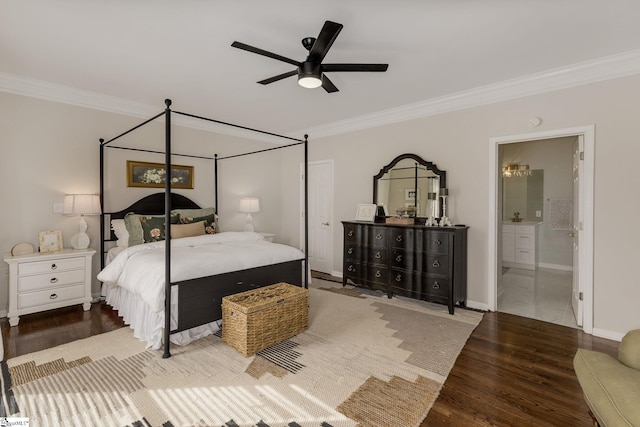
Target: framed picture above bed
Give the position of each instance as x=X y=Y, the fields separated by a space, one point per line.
x=153 y=175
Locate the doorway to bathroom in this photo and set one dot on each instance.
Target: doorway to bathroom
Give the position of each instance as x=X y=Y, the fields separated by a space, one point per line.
x=542 y=226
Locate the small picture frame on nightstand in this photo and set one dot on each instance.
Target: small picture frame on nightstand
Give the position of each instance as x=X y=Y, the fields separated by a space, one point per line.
x=50 y=241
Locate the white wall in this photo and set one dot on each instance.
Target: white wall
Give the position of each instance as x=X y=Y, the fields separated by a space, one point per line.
x=458 y=142
x=49 y=149
x=41 y=142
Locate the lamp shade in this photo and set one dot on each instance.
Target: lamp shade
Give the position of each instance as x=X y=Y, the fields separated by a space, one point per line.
x=249 y=205
x=81 y=204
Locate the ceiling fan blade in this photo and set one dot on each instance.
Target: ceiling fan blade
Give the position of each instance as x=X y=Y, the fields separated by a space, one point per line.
x=264 y=53
x=327 y=36
x=278 y=77
x=328 y=85
x=354 y=67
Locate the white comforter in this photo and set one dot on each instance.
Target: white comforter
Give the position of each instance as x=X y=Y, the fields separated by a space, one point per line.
x=140 y=268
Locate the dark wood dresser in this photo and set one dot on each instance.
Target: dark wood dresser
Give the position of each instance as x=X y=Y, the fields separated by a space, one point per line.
x=416 y=261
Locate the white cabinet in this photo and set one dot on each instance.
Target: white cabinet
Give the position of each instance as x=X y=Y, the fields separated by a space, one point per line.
x=519 y=245
x=44 y=281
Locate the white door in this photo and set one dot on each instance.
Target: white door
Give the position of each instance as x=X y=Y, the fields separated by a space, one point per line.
x=320 y=216
x=576 y=297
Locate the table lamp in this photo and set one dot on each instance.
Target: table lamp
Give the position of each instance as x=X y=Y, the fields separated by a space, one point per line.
x=249 y=205
x=81 y=204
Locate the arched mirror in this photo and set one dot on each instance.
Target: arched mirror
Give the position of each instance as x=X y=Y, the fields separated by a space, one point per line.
x=410 y=185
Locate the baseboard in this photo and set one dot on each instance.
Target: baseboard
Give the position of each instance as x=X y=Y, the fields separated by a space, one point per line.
x=477 y=305
x=555 y=266
x=610 y=335
x=3 y=313
x=337 y=274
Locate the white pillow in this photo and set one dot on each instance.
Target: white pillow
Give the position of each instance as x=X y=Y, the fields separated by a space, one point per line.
x=118 y=227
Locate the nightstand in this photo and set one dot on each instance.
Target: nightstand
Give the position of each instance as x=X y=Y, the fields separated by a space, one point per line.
x=44 y=281
x=268 y=236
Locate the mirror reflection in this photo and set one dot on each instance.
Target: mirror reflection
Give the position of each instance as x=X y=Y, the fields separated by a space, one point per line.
x=522 y=197
x=409 y=186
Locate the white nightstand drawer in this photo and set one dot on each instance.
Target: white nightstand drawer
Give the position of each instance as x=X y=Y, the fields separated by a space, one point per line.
x=51 y=280
x=41 y=298
x=524 y=256
x=40 y=267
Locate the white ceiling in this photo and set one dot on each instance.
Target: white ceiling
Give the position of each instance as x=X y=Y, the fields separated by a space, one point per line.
x=136 y=53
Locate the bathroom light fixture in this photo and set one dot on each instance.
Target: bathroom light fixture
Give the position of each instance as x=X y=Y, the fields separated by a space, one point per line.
x=249 y=205
x=514 y=169
x=81 y=204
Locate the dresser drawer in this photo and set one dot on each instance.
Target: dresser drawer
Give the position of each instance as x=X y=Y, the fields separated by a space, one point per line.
x=524 y=256
x=436 y=287
x=353 y=233
x=377 y=256
x=403 y=259
x=377 y=274
x=524 y=241
x=402 y=237
x=377 y=237
x=39 y=267
x=437 y=243
x=50 y=280
x=40 y=298
x=435 y=264
x=352 y=252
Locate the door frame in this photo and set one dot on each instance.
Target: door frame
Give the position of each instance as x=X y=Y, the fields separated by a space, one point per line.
x=586 y=207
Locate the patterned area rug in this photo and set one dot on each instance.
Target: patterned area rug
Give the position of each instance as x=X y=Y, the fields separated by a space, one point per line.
x=364 y=361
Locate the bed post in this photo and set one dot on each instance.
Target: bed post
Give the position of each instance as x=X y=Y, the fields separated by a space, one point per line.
x=167 y=226
x=215 y=185
x=102 y=203
x=306 y=209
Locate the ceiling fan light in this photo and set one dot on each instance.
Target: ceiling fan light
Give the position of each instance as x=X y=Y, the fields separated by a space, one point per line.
x=309 y=82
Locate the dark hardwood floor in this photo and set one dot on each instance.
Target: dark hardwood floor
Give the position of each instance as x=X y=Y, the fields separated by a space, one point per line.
x=513 y=371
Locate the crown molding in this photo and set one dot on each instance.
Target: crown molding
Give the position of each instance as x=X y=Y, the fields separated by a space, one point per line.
x=587 y=72
x=81 y=98
x=600 y=69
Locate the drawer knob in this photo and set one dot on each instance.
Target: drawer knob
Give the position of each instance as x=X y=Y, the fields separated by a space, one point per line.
x=53 y=296
x=350 y=251
x=437 y=242
x=378 y=255
x=399 y=278
x=436 y=263
x=399 y=238
x=54 y=266
x=378 y=236
x=350 y=234
x=351 y=268
x=399 y=258
x=436 y=285
x=53 y=280
x=378 y=274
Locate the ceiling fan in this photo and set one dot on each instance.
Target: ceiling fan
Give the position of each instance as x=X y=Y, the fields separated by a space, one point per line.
x=311 y=71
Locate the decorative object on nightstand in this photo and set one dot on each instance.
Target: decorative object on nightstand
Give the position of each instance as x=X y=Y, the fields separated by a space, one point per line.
x=44 y=281
x=444 y=221
x=81 y=204
x=22 y=248
x=249 y=205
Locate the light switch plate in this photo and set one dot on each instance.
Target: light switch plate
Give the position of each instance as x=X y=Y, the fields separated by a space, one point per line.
x=538 y=214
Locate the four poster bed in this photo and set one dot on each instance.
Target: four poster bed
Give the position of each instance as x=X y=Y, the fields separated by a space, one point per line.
x=169 y=286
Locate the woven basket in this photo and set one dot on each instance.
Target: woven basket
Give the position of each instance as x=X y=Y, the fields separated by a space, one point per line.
x=260 y=318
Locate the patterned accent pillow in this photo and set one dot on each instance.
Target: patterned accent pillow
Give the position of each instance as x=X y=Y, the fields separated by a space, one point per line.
x=153 y=227
x=208 y=215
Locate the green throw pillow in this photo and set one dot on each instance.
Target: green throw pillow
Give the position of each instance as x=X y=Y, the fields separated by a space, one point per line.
x=153 y=227
x=208 y=215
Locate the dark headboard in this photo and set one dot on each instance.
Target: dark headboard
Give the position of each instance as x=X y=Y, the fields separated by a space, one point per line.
x=150 y=205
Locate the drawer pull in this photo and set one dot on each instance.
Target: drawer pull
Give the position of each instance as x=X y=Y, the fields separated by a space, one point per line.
x=350 y=233
x=53 y=296
x=53 y=280
x=399 y=258
x=350 y=251
x=378 y=274
x=378 y=255
x=399 y=238
x=436 y=264
x=351 y=268
x=399 y=278
x=436 y=285
x=378 y=236
x=437 y=242
x=54 y=266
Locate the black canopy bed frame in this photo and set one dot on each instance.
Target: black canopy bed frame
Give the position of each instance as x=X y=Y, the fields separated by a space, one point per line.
x=199 y=299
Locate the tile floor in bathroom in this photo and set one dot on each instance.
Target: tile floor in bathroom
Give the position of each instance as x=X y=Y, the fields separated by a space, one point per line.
x=542 y=294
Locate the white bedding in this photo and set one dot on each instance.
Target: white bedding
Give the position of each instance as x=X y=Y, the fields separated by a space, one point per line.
x=134 y=279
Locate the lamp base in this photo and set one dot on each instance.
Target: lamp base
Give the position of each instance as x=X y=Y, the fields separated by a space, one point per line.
x=249 y=224
x=80 y=240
